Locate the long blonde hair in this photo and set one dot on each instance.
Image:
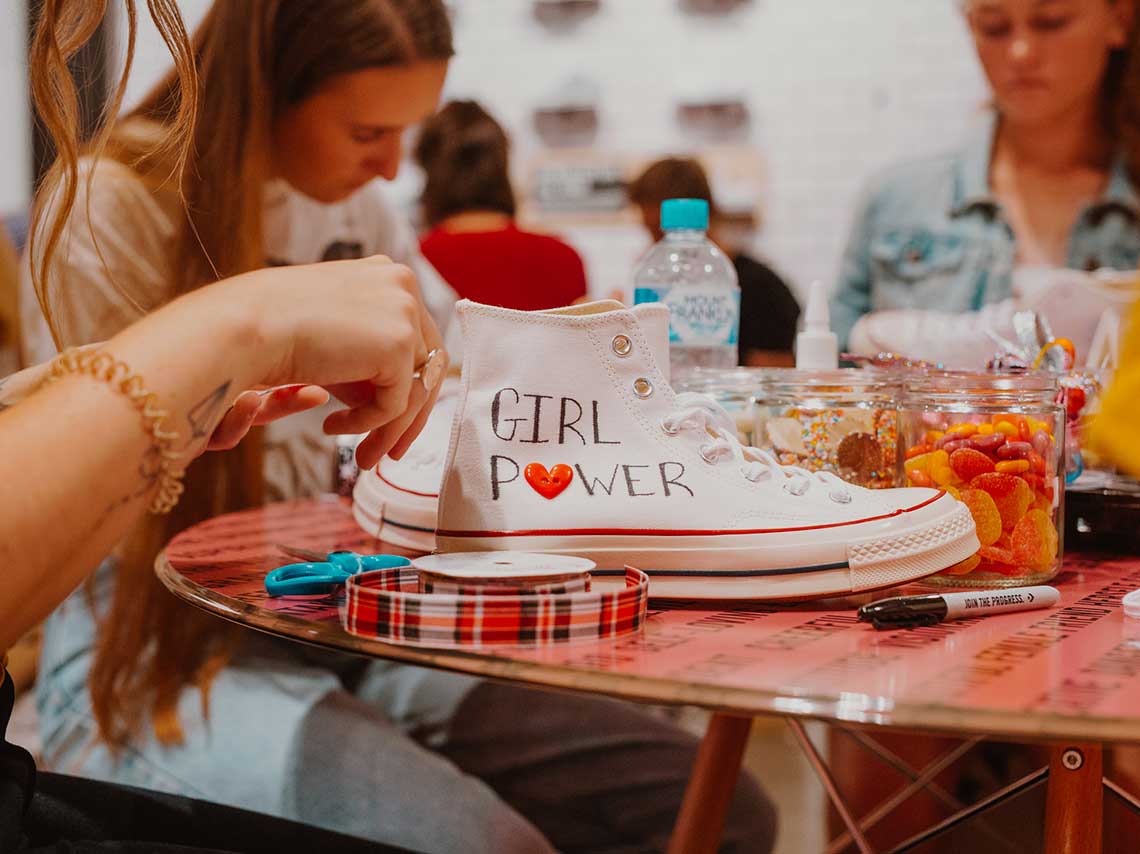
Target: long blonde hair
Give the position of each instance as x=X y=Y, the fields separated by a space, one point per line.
x=206 y=128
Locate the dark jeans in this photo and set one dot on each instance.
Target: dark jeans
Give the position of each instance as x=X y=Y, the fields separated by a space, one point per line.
x=111 y=818
x=55 y=814
x=595 y=776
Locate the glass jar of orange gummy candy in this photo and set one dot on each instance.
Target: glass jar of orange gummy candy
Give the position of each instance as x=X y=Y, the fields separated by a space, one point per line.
x=993 y=441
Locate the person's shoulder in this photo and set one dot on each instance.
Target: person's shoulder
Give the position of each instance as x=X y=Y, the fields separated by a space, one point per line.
x=108 y=171
x=924 y=168
x=745 y=262
x=753 y=266
x=112 y=174
x=757 y=274
x=914 y=181
x=111 y=197
x=105 y=179
x=437 y=240
x=548 y=243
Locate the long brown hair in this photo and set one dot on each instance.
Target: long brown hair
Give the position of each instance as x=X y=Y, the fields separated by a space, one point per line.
x=465 y=155
x=1122 y=97
x=205 y=130
x=1119 y=91
x=10 y=337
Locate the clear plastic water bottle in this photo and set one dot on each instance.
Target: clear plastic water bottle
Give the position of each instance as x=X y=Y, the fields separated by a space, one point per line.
x=689 y=273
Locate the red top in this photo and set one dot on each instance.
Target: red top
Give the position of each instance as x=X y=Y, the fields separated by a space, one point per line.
x=507 y=267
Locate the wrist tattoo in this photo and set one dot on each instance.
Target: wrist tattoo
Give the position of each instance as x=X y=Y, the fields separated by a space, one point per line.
x=149 y=470
x=202 y=417
x=205 y=415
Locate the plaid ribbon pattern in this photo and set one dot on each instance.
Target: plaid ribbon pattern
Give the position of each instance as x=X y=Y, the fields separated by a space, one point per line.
x=389 y=605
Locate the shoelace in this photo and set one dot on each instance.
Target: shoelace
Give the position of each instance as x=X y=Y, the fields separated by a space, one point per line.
x=700 y=414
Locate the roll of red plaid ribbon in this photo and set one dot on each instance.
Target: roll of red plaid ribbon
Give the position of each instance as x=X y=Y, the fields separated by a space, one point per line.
x=492 y=599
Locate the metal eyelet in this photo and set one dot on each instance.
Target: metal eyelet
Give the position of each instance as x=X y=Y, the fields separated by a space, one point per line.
x=669 y=431
x=622 y=345
x=642 y=387
x=839 y=497
x=798 y=488
x=703 y=451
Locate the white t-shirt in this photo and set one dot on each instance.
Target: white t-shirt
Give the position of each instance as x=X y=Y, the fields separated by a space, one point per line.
x=101 y=284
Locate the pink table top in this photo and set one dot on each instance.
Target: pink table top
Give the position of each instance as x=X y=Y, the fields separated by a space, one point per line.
x=1073 y=671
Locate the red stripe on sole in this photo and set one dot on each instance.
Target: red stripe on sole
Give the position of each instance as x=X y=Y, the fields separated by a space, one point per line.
x=677 y=532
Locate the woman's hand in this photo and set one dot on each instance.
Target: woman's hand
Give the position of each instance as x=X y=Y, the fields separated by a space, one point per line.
x=356 y=328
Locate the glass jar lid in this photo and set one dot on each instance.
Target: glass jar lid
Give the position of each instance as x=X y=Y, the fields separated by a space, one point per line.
x=868 y=386
x=967 y=390
x=721 y=382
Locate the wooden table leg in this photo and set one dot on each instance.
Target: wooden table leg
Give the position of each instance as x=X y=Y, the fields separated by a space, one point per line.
x=1074 y=803
x=715 y=772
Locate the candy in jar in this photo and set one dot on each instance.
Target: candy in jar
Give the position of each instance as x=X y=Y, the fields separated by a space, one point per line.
x=994 y=442
x=840 y=421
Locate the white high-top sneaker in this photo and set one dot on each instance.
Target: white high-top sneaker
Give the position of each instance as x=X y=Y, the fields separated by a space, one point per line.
x=569 y=439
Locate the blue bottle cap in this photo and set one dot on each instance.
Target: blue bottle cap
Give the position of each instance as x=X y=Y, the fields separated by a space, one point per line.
x=684 y=213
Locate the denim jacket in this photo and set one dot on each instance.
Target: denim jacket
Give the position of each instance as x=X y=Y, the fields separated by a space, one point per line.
x=930 y=235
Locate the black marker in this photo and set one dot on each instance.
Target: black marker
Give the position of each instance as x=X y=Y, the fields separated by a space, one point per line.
x=904 y=612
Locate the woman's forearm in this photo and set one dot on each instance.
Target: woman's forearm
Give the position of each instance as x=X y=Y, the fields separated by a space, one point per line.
x=77 y=468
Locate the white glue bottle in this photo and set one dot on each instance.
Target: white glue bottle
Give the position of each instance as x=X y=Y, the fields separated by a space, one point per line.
x=817 y=347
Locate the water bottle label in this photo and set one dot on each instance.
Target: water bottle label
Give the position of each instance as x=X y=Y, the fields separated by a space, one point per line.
x=701 y=315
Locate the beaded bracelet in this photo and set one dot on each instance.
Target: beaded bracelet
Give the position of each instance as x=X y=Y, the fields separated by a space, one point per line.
x=103 y=366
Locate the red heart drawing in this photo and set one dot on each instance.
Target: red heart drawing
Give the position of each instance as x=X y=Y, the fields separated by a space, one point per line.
x=548 y=484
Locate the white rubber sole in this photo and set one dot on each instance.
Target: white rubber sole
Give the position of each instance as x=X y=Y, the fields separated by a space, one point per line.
x=772 y=566
x=394 y=516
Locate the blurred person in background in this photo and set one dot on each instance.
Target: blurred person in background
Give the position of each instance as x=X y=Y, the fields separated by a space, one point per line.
x=469 y=208
x=945 y=249
x=768 y=311
x=948 y=247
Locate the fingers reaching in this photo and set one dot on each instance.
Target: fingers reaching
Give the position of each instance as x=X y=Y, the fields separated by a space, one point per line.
x=253 y=408
x=289 y=400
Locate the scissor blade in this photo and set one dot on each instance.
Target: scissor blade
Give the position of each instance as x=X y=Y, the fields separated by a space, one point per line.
x=303 y=554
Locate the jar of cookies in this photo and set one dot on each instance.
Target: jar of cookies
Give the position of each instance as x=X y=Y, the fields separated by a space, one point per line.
x=843 y=421
x=995 y=442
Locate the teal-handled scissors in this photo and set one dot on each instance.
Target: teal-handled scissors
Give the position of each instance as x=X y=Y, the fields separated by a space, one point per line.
x=323 y=573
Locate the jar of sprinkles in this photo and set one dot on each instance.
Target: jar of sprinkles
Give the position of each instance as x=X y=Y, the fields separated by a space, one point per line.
x=843 y=421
